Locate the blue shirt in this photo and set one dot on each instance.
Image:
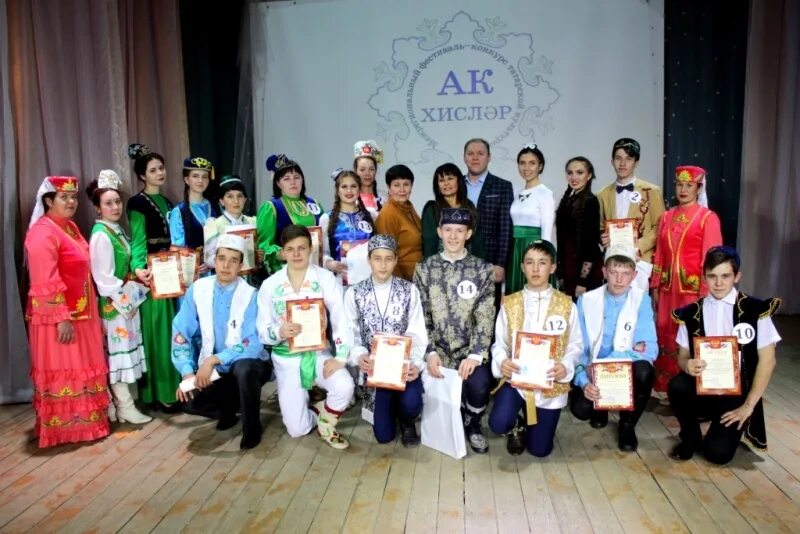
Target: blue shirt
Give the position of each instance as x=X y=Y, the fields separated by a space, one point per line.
x=644 y=332
x=474 y=189
x=186 y=325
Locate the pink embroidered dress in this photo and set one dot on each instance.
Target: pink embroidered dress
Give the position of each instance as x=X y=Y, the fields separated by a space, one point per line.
x=70 y=380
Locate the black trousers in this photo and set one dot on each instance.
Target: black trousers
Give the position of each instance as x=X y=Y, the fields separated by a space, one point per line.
x=240 y=390
x=720 y=442
x=643 y=376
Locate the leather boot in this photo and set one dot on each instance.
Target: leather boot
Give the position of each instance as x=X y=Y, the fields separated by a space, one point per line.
x=126 y=410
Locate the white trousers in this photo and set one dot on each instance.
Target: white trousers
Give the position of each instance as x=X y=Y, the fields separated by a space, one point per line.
x=293 y=399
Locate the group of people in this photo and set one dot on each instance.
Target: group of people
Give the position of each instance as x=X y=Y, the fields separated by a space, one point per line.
x=479 y=266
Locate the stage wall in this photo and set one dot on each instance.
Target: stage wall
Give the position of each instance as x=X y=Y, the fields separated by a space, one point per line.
x=421 y=77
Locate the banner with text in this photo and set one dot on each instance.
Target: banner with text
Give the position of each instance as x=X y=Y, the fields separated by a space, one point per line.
x=421 y=78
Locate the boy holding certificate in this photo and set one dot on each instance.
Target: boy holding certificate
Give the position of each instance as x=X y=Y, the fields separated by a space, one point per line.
x=292 y=319
x=538 y=311
x=725 y=312
x=457 y=293
x=617 y=324
x=386 y=304
x=222 y=310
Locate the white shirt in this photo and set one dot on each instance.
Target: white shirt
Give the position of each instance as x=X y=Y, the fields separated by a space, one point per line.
x=718 y=321
x=536 y=305
x=416 y=323
x=623 y=202
x=535 y=207
x=317 y=283
x=101 y=252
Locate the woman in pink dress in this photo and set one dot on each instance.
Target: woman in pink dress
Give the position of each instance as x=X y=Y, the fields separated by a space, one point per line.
x=68 y=365
x=685 y=233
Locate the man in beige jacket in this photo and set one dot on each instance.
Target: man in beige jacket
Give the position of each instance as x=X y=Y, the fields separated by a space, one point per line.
x=631 y=197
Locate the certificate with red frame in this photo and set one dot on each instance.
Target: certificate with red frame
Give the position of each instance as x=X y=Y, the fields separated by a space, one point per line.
x=165 y=268
x=614 y=379
x=535 y=355
x=391 y=356
x=316 y=245
x=622 y=232
x=248 y=233
x=722 y=375
x=310 y=315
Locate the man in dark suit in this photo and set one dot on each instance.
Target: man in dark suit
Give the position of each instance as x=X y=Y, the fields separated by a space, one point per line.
x=492 y=196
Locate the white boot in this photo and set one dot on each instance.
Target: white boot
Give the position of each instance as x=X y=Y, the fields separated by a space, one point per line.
x=126 y=410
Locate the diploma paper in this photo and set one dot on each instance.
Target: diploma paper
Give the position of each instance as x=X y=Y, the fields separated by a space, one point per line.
x=189 y=260
x=390 y=355
x=355 y=258
x=308 y=314
x=248 y=233
x=614 y=378
x=188 y=384
x=621 y=232
x=166 y=281
x=316 y=245
x=721 y=375
x=534 y=356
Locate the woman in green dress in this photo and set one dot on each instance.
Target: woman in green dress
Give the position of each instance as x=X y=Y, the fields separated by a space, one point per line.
x=148 y=213
x=449 y=191
x=289 y=205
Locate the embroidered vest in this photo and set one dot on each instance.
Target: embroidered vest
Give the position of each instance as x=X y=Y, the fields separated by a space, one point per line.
x=369 y=316
x=746 y=310
x=122 y=260
x=560 y=304
x=156 y=224
x=203 y=300
x=192 y=229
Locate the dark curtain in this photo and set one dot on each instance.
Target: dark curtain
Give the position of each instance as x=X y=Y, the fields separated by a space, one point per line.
x=705 y=53
x=210 y=35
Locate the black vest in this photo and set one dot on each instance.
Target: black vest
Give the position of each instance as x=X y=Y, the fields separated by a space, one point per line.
x=156 y=223
x=746 y=310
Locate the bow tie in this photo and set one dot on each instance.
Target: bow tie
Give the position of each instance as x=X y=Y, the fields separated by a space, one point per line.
x=621 y=188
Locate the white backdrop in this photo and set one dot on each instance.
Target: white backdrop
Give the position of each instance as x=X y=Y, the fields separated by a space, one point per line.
x=422 y=77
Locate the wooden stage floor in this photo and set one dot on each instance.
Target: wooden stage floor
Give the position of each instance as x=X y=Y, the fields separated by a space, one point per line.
x=178 y=474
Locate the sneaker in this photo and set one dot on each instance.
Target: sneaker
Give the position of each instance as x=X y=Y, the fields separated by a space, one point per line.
x=472 y=428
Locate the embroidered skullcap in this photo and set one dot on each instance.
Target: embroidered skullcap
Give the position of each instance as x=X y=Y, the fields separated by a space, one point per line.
x=231 y=241
x=335 y=174
x=382 y=241
x=455 y=216
x=694 y=174
x=278 y=161
x=369 y=149
x=199 y=164
x=627 y=252
x=690 y=173
x=52 y=184
x=109 y=179
x=630 y=145
x=138 y=150
x=229 y=179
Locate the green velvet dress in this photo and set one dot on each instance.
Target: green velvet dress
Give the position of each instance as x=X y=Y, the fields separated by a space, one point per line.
x=161 y=380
